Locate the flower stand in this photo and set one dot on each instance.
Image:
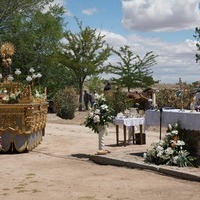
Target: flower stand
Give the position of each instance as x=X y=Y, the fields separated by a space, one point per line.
x=101 y=137
x=98 y=119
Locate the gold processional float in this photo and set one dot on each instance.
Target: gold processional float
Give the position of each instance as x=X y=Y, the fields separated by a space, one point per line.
x=22 y=112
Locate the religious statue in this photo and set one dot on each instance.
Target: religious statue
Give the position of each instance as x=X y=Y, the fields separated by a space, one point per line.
x=7 y=50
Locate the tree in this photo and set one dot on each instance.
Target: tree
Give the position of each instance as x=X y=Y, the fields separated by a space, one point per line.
x=133 y=71
x=36 y=38
x=57 y=78
x=10 y=8
x=95 y=83
x=197 y=36
x=85 y=53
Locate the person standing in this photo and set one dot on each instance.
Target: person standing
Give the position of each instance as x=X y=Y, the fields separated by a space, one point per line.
x=86 y=98
x=93 y=98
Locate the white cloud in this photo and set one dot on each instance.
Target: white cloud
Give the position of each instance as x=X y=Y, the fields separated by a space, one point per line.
x=160 y=15
x=174 y=61
x=60 y=3
x=113 y=38
x=89 y=11
x=63 y=3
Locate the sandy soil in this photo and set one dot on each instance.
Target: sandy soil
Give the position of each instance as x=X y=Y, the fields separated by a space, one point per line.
x=59 y=169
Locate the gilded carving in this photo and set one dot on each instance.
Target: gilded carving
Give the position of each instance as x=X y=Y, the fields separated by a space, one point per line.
x=22 y=109
x=26 y=95
x=22 y=119
x=8 y=120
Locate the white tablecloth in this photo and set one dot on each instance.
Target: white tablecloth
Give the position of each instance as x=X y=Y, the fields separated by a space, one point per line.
x=129 y=121
x=186 y=119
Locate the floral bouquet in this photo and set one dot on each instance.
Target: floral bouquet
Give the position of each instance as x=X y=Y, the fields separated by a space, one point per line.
x=12 y=97
x=170 y=151
x=100 y=115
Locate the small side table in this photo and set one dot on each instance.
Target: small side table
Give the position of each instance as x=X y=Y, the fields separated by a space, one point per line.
x=130 y=123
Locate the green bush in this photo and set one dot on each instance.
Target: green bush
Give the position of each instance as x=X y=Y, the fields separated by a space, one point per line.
x=117 y=100
x=65 y=103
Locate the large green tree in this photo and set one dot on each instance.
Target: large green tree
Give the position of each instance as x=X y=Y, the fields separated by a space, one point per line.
x=36 y=37
x=132 y=71
x=95 y=83
x=85 y=53
x=10 y=8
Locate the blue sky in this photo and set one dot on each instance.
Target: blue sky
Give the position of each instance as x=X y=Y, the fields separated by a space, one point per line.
x=165 y=27
x=97 y=14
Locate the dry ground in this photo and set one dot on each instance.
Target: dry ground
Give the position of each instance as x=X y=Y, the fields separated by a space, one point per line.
x=59 y=169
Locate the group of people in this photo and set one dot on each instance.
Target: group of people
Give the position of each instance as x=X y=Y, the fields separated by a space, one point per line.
x=91 y=98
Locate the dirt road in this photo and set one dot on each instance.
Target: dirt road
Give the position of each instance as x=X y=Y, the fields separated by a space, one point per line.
x=59 y=169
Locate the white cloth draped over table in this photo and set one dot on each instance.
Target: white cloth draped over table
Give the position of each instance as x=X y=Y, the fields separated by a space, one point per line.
x=129 y=121
x=185 y=118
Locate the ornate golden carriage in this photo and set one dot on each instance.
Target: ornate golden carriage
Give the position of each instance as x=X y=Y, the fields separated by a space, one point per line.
x=22 y=125
x=22 y=116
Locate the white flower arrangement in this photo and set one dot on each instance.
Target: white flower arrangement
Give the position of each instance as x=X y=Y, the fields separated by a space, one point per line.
x=99 y=115
x=38 y=95
x=170 y=150
x=11 y=97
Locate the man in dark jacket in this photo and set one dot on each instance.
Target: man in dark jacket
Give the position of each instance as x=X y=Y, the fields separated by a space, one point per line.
x=87 y=98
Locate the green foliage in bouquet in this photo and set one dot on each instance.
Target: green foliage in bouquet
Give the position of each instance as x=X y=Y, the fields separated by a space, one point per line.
x=99 y=115
x=170 y=151
x=65 y=103
x=39 y=94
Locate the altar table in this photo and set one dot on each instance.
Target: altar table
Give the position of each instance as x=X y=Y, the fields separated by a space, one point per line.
x=130 y=123
x=185 y=118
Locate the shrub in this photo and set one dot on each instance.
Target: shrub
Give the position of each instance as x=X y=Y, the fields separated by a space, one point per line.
x=65 y=103
x=173 y=98
x=117 y=101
